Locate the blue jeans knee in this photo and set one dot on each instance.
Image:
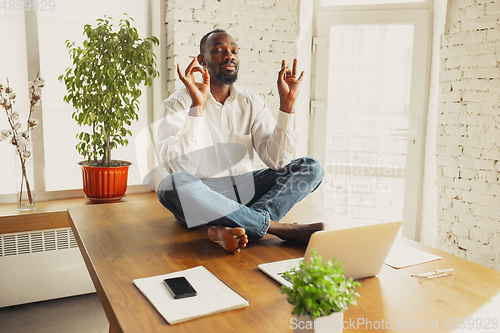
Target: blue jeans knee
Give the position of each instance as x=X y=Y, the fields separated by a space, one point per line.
x=312 y=170
x=167 y=192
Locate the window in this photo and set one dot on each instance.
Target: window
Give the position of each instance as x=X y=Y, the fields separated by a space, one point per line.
x=368 y=130
x=368 y=97
x=52 y=29
x=62 y=172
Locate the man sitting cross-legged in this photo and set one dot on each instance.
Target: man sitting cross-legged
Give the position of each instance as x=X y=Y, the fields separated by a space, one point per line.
x=207 y=140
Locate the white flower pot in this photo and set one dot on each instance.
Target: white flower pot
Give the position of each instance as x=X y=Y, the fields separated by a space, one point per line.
x=330 y=324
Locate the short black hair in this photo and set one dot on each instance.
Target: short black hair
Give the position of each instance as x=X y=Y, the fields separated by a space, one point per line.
x=203 y=41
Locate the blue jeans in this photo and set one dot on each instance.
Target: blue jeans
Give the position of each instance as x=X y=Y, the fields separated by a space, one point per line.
x=249 y=201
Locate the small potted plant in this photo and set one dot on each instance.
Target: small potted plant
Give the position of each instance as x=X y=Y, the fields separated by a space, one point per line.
x=320 y=293
x=103 y=87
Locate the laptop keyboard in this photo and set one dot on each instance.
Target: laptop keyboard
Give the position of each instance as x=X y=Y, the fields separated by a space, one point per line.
x=288 y=278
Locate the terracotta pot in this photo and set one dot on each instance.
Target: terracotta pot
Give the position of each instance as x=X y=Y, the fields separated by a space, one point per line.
x=104 y=184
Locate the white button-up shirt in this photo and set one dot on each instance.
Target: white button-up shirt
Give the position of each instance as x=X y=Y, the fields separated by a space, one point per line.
x=222 y=142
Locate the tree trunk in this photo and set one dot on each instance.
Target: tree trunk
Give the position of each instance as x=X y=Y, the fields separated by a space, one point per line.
x=107 y=152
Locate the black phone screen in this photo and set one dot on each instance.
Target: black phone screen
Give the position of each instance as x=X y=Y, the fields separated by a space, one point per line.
x=179 y=287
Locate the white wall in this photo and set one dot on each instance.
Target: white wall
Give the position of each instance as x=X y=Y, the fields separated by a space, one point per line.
x=428 y=232
x=468 y=133
x=304 y=58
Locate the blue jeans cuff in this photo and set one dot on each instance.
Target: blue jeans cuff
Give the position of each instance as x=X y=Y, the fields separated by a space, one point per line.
x=266 y=225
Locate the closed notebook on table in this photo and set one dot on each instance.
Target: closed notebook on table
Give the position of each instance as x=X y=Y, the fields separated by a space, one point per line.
x=213 y=295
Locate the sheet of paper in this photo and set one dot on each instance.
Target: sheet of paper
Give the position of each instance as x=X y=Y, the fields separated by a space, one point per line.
x=402 y=255
x=213 y=296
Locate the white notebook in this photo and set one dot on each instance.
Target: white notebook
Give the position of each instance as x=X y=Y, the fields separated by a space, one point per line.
x=213 y=296
x=402 y=255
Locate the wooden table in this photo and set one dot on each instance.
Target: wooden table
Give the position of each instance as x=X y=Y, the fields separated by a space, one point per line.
x=125 y=241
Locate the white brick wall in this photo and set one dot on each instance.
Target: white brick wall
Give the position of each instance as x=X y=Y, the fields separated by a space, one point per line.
x=266 y=31
x=468 y=134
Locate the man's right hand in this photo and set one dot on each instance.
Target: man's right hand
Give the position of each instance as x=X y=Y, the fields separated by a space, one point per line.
x=199 y=91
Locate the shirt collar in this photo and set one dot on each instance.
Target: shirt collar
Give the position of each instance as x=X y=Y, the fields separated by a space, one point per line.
x=233 y=92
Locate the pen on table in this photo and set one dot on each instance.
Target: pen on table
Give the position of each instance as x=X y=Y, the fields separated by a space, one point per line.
x=434 y=274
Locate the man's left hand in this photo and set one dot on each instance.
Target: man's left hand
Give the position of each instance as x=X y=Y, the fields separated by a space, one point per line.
x=288 y=86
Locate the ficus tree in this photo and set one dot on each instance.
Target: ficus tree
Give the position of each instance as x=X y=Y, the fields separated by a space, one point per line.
x=103 y=85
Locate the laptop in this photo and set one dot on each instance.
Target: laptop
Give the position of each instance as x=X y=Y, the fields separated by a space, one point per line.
x=362 y=249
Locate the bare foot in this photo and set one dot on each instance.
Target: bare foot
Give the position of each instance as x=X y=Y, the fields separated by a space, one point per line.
x=294 y=231
x=231 y=239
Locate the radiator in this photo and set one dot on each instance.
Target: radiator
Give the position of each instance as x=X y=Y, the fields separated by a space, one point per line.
x=41 y=265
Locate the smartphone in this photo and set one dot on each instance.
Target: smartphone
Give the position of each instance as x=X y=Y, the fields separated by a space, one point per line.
x=179 y=287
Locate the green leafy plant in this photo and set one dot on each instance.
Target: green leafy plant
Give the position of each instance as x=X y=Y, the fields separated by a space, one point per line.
x=319 y=289
x=103 y=85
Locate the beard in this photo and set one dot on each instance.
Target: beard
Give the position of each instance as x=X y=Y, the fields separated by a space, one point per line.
x=226 y=78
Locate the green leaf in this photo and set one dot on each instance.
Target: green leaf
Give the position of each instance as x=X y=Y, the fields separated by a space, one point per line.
x=318 y=288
